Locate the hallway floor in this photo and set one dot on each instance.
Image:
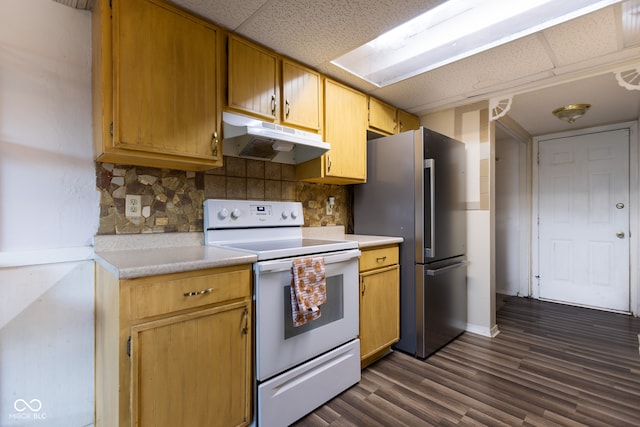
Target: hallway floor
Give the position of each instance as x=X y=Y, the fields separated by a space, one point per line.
x=551 y=365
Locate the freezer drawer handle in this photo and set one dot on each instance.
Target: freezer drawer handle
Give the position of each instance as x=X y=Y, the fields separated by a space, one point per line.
x=446 y=269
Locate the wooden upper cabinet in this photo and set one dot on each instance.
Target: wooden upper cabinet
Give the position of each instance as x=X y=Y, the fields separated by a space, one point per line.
x=301 y=96
x=252 y=79
x=156 y=86
x=407 y=121
x=345 y=129
x=388 y=120
x=382 y=117
x=265 y=86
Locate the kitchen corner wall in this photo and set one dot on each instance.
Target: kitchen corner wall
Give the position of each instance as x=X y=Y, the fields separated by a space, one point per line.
x=172 y=201
x=471 y=125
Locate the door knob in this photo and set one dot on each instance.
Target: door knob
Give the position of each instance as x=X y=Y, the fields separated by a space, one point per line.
x=620 y=234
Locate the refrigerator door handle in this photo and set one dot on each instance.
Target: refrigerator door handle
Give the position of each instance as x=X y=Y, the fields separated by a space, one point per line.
x=442 y=270
x=430 y=249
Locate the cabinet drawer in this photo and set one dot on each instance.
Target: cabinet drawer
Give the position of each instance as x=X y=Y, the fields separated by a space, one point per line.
x=378 y=257
x=152 y=296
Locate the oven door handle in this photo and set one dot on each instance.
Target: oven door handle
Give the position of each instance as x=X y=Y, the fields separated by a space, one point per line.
x=285 y=264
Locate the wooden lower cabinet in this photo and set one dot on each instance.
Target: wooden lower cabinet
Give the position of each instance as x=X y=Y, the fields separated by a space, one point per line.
x=174 y=350
x=379 y=302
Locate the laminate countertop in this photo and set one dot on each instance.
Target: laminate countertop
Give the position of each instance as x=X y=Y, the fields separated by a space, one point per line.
x=133 y=256
x=365 y=241
x=337 y=232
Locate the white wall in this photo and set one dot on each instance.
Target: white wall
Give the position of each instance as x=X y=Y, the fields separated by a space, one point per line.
x=508 y=216
x=48 y=215
x=481 y=305
x=47 y=194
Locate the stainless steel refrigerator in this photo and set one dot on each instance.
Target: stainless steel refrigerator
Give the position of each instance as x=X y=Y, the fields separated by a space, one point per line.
x=416 y=189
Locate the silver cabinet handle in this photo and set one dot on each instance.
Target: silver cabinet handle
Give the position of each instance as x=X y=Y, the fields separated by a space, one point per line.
x=194 y=293
x=381 y=259
x=273 y=105
x=620 y=234
x=287 y=108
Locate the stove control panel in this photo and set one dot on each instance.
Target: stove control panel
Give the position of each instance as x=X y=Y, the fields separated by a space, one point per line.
x=223 y=213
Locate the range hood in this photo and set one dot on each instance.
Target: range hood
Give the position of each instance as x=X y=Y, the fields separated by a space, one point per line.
x=254 y=139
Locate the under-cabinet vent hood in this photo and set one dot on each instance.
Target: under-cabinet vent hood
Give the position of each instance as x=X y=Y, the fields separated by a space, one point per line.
x=78 y=4
x=254 y=139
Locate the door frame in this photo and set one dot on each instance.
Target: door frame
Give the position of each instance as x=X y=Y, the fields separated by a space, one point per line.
x=634 y=211
x=520 y=136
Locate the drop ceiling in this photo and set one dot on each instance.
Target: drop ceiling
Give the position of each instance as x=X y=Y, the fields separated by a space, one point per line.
x=570 y=63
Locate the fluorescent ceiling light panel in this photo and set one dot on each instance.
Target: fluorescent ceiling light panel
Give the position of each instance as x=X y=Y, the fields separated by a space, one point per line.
x=631 y=22
x=455 y=30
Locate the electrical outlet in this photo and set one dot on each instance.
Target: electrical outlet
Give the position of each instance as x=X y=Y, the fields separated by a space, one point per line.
x=133 y=206
x=330 y=203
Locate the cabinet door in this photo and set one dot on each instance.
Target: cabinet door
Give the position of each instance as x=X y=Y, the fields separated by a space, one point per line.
x=193 y=369
x=301 y=96
x=346 y=130
x=252 y=79
x=379 y=309
x=165 y=81
x=382 y=117
x=407 y=121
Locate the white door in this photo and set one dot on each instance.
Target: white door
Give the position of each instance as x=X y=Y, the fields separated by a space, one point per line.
x=584 y=220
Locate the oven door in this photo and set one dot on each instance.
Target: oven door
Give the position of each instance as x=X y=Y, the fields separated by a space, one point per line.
x=280 y=345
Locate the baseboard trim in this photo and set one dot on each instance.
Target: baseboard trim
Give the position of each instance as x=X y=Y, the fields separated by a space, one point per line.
x=483 y=330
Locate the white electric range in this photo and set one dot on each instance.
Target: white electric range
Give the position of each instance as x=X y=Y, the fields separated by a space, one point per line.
x=297 y=368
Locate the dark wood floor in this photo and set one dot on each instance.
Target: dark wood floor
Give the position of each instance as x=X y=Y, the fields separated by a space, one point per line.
x=551 y=365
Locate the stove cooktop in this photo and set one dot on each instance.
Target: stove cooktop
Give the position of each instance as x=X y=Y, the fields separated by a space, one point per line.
x=268 y=229
x=274 y=249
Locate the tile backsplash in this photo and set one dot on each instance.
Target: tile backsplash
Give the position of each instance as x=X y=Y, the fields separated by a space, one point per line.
x=172 y=201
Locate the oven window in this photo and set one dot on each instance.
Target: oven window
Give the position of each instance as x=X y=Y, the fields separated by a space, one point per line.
x=330 y=311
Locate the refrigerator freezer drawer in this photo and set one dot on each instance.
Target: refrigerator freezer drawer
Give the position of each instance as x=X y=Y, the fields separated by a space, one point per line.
x=444 y=305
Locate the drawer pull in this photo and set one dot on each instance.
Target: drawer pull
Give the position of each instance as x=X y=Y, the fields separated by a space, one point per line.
x=381 y=259
x=194 y=293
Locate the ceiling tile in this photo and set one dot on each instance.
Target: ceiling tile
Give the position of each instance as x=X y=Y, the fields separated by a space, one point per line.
x=228 y=14
x=315 y=32
x=584 y=38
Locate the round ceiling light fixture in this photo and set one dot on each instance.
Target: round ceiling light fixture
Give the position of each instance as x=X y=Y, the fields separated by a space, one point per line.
x=572 y=112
